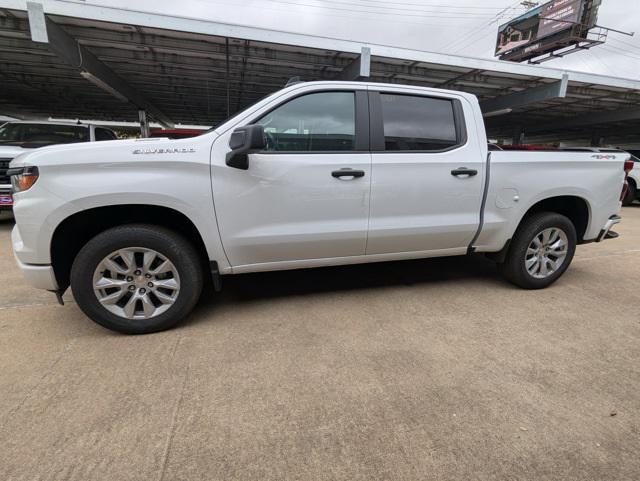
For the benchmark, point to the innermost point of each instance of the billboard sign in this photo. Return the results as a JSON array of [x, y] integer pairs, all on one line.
[[555, 24], [558, 15]]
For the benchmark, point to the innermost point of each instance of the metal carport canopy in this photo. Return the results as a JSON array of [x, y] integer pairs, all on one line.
[[193, 71]]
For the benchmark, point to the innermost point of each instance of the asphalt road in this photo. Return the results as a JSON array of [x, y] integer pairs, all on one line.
[[426, 370]]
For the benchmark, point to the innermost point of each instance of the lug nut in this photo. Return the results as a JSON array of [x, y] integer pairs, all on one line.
[[148, 276], [150, 284], [132, 288], [142, 290], [138, 272], [129, 279]]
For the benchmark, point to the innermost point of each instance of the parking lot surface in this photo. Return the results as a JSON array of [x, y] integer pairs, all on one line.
[[422, 370]]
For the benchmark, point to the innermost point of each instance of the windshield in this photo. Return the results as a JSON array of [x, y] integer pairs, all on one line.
[[43, 133], [239, 112]]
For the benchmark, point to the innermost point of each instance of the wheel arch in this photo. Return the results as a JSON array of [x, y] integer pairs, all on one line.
[[75, 230], [575, 208]]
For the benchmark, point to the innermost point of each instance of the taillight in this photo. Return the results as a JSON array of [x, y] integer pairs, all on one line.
[[628, 167]]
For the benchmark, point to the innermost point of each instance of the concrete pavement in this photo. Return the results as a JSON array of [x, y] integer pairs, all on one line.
[[425, 370]]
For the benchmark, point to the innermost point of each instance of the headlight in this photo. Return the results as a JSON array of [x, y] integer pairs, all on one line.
[[22, 178]]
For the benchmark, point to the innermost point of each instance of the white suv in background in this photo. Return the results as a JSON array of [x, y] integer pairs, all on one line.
[[634, 182], [18, 137]]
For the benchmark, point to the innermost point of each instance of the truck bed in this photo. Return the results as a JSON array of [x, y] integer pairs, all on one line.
[[519, 179]]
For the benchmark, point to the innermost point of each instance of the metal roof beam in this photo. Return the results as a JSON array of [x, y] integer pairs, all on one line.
[[147, 59], [19, 113], [89, 66], [207, 27], [610, 136], [359, 68], [452, 82], [163, 41], [592, 118], [443, 79], [594, 102], [553, 90]]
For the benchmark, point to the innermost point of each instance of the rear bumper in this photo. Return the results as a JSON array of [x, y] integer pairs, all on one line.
[[613, 220], [38, 276]]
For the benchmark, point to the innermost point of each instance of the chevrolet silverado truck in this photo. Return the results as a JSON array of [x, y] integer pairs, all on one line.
[[316, 174], [18, 137]]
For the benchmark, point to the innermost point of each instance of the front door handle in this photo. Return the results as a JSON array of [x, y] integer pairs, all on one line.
[[338, 174], [464, 171]]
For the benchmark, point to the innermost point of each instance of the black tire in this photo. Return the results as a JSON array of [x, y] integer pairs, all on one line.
[[514, 269], [171, 245], [632, 194]]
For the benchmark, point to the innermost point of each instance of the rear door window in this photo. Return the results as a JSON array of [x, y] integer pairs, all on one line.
[[414, 123]]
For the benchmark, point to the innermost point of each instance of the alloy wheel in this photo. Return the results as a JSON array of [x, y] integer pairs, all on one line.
[[136, 283], [546, 252]]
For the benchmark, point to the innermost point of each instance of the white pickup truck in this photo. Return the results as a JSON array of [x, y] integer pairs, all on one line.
[[317, 174]]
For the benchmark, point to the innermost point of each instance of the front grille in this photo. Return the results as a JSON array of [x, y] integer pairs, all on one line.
[[4, 165]]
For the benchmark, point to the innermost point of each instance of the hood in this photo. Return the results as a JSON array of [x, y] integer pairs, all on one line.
[[108, 151]]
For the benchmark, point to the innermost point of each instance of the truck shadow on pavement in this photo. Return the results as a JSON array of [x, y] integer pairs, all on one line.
[[249, 287]]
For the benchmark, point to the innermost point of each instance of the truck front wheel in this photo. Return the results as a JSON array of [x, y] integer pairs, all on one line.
[[137, 278], [541, 251]]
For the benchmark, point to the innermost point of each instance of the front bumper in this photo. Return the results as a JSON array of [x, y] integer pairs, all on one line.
[[38, 276], [613, 220], [6, 199]]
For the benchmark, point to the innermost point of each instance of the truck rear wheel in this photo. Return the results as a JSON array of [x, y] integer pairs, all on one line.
[[541, 251], [137, 278]]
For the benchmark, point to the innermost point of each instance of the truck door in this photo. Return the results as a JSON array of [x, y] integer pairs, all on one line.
[[427, 173], [306, 195]]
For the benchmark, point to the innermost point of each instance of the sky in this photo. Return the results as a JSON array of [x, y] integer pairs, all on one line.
[[462, 27]]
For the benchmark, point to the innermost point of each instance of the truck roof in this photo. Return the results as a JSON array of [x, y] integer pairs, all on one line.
[[380, 85]]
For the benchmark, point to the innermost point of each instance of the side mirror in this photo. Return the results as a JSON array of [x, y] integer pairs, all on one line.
[[245, 140]]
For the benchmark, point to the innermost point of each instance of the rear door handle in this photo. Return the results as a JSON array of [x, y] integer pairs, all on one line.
[[338, 174], [464, 171]]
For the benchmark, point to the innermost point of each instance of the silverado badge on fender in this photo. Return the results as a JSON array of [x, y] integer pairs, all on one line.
[[165, 151]]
